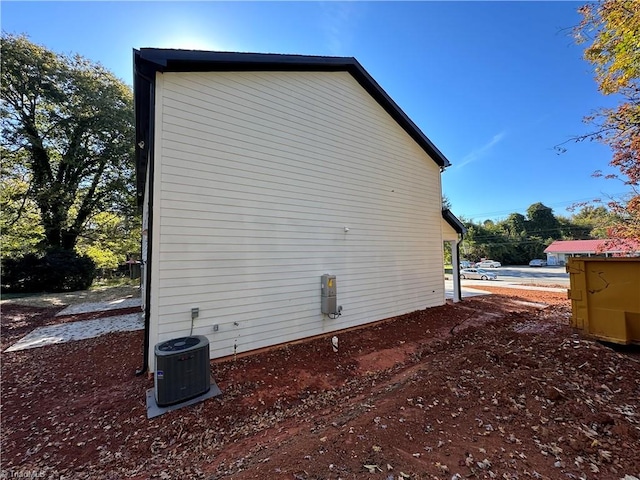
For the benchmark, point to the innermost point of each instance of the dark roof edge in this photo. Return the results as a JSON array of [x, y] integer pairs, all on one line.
[[150, 60], [452, 220]]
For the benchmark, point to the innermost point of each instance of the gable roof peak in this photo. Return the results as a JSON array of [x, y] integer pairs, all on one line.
[[148, 61]]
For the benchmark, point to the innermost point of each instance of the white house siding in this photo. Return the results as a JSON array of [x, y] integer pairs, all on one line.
[[257, 175], [448, 232]]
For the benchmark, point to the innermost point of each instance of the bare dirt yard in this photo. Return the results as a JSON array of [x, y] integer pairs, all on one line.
[[496, 386]]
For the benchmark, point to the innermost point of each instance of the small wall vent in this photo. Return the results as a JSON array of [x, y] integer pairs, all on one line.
[[182, 369]]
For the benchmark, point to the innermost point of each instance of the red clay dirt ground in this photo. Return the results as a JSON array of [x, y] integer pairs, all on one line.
[[493, 387]]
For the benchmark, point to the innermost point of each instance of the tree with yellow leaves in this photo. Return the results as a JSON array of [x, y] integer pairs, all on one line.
[[611, 29]]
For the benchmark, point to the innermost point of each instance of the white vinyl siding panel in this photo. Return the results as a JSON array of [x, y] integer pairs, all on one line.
[[448, 232], [257, 176]]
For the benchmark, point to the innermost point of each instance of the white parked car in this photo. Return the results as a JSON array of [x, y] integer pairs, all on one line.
[[538, 262], [488, 264], [477, 274]]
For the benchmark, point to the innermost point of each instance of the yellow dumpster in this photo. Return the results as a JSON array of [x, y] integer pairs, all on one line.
[[605, 297]]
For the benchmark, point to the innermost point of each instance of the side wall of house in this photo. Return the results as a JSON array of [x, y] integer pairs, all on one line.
[[265, 181]]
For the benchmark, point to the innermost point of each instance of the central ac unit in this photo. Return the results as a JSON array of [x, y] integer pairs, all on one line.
[[182, 369]]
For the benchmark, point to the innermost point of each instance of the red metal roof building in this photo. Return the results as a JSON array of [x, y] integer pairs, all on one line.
[[560, 250]]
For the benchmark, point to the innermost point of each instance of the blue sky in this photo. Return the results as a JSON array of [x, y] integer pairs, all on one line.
[[495, 85]]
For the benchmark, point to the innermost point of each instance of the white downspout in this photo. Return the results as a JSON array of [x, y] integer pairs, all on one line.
[[455, 269]]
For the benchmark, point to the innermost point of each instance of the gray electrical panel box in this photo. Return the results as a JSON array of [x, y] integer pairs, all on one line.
[[329, 295]]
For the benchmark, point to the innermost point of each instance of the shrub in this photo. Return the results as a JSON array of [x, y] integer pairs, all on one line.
[[56, 271]]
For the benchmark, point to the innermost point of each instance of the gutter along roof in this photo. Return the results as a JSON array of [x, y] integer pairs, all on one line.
[[148, 61]]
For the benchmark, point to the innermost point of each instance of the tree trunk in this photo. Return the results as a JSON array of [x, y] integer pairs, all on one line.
[[69, 239], [53, 211], [60, 238]]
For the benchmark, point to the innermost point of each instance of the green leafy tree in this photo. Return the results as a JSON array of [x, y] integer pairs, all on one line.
[[68, 124], [515, 236], [518, 238], [110, 239], [473, 245], [541, 222], [486, 240], [611, 28], [516, 224], [19, 216], [596, 219], [574, 230], [446, 203]]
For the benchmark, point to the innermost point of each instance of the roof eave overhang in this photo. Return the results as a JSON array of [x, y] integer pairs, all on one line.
[[455, 223]]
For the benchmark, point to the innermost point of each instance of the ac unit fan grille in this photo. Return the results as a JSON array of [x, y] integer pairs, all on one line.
[[178, 344], [182, 369]]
